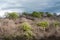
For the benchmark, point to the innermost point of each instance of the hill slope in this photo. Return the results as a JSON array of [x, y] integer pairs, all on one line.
[[14, 29]]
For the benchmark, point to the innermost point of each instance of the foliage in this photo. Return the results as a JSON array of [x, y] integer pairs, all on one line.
[[28, 35], [56, 24], [42, 13], [43, 24], [48, 14], [12, 15], [36, 14], [26, 26], [24, 13], [27, 30]]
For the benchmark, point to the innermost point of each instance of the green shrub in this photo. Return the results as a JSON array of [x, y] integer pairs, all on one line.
[[56, 24], [26, 26], [36, 14], [28, 35], [41, 13], [43, 24], [12, 15], [27, 31], [24, 13], [48, 14]]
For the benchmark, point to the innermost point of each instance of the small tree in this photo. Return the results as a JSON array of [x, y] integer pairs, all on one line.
[[12, 15]]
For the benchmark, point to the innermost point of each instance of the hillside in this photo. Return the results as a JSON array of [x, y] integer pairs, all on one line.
[[27, 27]]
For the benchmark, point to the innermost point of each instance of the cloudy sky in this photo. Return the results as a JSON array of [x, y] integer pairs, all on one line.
[[29, 6]]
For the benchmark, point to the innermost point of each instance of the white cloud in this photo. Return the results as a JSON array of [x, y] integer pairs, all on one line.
[[2, 12], [28, 5]]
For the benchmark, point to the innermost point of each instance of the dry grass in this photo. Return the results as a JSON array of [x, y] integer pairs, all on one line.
[[10, 28]]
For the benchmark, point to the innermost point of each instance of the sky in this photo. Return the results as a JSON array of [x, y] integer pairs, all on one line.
[[29, 6]]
